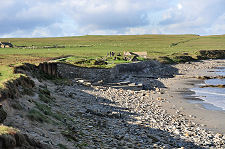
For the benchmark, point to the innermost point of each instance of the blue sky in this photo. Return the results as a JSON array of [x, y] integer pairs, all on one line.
[[48, 18]]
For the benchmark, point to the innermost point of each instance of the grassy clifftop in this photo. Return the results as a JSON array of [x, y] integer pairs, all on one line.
[[36, 50]]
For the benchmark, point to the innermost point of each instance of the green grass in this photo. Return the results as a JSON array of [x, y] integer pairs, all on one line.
[[6, 74], [48, 111], [155, 45], [98, 46], [107, 62], [7, 130], [45, 95], [36, 115]]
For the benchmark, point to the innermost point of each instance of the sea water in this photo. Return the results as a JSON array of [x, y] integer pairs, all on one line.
[[213, 97]]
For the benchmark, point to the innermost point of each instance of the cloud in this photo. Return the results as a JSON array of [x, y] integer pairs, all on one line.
[[110, 14], [44, 18], [27, 15], [113, 16], [193, 16]]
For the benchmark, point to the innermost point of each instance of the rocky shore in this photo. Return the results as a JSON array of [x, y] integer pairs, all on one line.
[[139, 110]]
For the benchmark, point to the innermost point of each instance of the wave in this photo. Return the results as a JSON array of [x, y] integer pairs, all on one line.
[[212, 93]]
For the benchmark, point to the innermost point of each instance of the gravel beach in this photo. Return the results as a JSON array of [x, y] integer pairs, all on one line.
[[124, 114]]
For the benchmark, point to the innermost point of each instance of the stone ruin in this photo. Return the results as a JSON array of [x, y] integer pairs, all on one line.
[[6, 44]]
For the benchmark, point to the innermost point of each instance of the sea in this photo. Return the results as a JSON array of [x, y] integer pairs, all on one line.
[[213, 98]]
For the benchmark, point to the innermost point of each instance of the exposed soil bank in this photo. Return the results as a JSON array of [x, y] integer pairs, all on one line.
[[18, 140], [14, 89]]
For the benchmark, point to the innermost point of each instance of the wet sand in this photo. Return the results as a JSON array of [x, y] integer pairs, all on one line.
[[178, 94]]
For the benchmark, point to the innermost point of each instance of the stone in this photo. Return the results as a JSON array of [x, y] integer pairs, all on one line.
[[80, 81], [218, 135], [157, 89], [160, 99], [132, 84], [177, 132]]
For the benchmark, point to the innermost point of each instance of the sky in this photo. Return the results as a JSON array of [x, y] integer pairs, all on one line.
[[56, 18]]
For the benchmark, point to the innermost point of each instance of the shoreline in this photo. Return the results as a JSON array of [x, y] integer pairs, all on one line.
[[213, 120], [101, 116]]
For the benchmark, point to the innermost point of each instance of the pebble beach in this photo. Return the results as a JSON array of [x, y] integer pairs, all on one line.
[[122, 115]]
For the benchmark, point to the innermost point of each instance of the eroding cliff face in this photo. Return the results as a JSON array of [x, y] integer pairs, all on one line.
[[11, 138], [16, 88], [16, 140], [211, 54]]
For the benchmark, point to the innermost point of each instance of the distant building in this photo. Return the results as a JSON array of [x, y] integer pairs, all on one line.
[[5, 45], [127, 53], [139, 54]]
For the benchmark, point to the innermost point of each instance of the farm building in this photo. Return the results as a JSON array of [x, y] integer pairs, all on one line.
[[140, 54], [5, 45]]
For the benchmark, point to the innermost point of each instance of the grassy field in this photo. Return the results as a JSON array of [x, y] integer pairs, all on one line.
[[36, 50]]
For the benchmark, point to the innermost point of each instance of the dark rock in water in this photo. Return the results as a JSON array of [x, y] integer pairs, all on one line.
[[203, 77], [218, 86], [3, 114]]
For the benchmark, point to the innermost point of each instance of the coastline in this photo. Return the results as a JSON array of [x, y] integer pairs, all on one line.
[[178, 88], [113, 116]]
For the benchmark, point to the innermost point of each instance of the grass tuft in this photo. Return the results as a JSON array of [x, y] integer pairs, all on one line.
[[48, 111], [7, 130], [45, 95], [61, 146], [36, 115]]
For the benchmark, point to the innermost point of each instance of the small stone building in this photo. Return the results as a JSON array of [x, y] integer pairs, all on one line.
[[5, 45]]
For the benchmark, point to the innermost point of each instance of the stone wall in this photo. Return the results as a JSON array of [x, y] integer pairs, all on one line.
[[93, 74], [134, 67]]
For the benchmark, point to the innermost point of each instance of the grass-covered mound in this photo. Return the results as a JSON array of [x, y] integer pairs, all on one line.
[[99, 62]]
